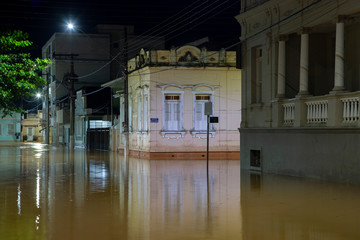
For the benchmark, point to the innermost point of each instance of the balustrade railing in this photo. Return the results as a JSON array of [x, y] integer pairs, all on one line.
[[350, 109], [333, 110], [289, 114], [317, 112]]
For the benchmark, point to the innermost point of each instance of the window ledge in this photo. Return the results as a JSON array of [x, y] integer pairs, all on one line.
[[172, 135], [142, 132], [202, 134]]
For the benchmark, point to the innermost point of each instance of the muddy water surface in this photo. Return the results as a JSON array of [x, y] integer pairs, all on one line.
[[53, 193]]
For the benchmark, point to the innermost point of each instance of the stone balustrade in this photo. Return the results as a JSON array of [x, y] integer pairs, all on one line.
[[350, 109], [317, 112], [289, 113], [332, 110]]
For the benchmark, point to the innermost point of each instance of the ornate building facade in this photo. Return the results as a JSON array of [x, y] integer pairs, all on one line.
[[167, 93], [301, 88]]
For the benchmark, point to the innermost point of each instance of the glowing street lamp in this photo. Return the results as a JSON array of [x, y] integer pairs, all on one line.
[[70, 26], [38, 95]]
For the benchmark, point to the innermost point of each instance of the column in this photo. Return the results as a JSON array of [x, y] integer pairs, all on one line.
[[339, 57], [304, 63], [281, 68]]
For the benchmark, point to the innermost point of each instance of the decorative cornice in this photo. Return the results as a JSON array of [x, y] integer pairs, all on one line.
[[193, 87]]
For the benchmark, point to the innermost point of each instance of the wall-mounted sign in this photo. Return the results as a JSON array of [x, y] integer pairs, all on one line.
[[214, 119], [154, 120]]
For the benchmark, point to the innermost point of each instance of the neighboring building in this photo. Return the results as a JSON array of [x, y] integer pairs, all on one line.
[[301, 88], [31, 127], [166, 104], [93, 116], [96, 59], [10, 127], [92, 53]]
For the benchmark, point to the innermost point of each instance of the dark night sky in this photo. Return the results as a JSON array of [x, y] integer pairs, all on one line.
[[197, 18]]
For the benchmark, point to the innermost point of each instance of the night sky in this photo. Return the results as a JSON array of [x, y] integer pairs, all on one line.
[[195, 18]]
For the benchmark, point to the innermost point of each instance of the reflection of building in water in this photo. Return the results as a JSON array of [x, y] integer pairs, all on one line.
[[180, 198], [166, 199], [59, 194], [292, 208]]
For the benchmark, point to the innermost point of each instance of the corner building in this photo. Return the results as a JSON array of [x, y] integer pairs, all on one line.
[[167, 93]]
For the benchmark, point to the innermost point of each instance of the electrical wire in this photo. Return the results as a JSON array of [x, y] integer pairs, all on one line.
[[244, 40], [132, 49], [229, 47]]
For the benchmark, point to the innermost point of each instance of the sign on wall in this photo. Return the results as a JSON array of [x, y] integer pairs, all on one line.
[[154, 120]]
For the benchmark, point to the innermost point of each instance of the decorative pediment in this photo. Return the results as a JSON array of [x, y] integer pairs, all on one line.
[[188, 54], [188, 57], [183, 56]]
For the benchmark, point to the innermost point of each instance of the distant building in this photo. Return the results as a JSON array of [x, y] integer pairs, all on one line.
[[301, 88], [166, 104], [93, 112], [10, 127], [31, 127], [96, 59], [92, 53]]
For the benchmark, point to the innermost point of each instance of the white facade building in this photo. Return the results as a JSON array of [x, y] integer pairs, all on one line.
[[301, 88], [166, 104]]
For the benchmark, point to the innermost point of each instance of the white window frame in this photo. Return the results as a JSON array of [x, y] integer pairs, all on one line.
[[181, 112], [130, 113], [145, 112], [139, 112], [11, 134], [202, 93]]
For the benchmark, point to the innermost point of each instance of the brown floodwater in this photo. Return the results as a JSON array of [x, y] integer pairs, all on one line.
[[51, 192]]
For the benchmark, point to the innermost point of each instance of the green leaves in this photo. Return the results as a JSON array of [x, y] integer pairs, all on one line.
[[20, 75]]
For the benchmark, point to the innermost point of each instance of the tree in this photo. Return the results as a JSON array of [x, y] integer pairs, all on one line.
[[19, 76]]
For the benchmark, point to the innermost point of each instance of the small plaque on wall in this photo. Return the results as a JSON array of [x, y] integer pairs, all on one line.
[[154, 120]]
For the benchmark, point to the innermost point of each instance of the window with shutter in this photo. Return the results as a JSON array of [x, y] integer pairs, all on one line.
[[139, 117], [145, 113], [130, 116], [172, 112], [11, 129]]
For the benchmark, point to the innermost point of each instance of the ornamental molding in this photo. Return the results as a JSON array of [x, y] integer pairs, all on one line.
[[193, 87]]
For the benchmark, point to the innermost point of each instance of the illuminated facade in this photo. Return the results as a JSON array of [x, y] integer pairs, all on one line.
[[301, 88], [167, 93]]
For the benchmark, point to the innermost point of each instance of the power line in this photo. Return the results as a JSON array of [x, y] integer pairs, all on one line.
[[133, 46]]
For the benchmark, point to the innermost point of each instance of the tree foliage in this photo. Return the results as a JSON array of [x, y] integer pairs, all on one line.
[[19, 76]]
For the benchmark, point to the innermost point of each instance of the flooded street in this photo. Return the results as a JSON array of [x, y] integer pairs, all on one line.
[[52, 193]]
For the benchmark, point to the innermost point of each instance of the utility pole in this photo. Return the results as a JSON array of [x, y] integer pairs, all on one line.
[[126, 96], [72, 102], [47, 135], [72, 79], [207, 112]]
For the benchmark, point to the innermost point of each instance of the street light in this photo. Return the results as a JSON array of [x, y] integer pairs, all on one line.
[[72, 93], [38, 95], [70, 26]]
